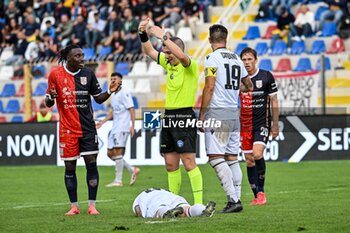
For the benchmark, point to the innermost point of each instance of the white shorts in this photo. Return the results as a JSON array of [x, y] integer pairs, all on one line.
[[224, 140], [117, 139]]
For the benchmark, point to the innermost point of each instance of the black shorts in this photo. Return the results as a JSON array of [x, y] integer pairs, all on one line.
[[179, 138]]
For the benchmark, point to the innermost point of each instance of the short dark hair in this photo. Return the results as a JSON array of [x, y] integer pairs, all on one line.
[[63, 53], [249, 50], [218, 33], [117, 74], [178, 42]]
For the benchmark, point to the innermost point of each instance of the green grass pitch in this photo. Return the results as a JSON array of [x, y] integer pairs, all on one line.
[[307, 197]]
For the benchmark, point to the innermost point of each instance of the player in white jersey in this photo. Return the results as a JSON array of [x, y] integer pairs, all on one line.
[[123, 116], [224, 73], [161, 203]]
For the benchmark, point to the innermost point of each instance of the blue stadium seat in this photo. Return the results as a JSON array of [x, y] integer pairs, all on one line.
[[122, 68], [252, 33], [1, 107], [327, 64], [298, 47], [104, 52], [39, 71], [40, 89], [12, 106], [318, 46], [136, 102], [279, 48], [319, 11], [329, 29], [240, 47], [265, 64], [261, 48], [17, 118], [96, 107], [8, 90], [304, 64], [105, 86], [89, 53]]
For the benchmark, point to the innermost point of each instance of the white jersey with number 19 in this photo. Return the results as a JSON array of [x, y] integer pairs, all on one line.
[[228, 69]]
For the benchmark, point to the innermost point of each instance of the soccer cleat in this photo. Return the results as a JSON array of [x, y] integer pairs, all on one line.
[[114, 184], [134, 175], [233, 207], [92, 210], [254, 201], [173, 213], [73, 211], [209, 209], [261, 199]]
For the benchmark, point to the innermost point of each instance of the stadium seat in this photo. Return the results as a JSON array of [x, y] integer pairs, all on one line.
[[8, 90], [337, 46], [185, 34], [265, 64], [252, 33], [17, 118], [269, 30], [329, 29], [136, 102], [1, 107], [122, 68], [319, 11], [3, 119], [128, 84], [139, 68], [39, 71], [279, 48], [102, 70], [12, 106], [96, 107], [40, 89], [240, 47], [105, 86], [327, 64], [143, 85], [20, 91], [284, 65], [104, 52], [298, 47], [261, 48], [34, 107], [304, 64], [318, 46], [6, 72], [155, 69], [89, 53]]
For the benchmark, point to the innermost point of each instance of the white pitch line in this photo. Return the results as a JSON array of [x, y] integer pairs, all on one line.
[[160, 222]]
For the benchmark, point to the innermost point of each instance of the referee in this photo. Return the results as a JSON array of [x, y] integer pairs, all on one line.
[[181, 86]]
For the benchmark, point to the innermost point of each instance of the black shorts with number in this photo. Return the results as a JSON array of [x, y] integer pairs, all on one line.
[[178, 139]]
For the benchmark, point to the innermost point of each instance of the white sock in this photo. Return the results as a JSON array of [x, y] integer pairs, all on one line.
[[225, 176], [195, 210], [236, 176], [119, 163], [128, 167], [92, 202]]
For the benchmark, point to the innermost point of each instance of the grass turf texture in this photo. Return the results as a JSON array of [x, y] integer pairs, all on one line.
[[309, 197]]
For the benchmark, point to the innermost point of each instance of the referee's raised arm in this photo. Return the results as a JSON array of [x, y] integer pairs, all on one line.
[[146, 44]]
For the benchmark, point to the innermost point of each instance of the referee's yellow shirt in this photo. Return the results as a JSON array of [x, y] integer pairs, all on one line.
[[181, 83]]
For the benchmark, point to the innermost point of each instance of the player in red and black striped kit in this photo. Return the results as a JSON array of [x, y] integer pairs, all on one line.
[[72, 86], [256, 122]]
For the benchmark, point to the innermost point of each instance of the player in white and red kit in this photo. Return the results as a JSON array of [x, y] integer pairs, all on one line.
[[72, 85], [256, 122]]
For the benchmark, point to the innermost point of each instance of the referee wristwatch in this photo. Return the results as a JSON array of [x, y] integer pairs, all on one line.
[[164, 38]]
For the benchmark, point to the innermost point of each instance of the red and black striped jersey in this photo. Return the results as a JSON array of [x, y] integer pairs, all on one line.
[[74, 100], [255, 105]]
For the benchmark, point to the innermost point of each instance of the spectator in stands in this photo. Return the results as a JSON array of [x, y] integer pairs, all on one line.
[[78, 9], [129, 24], [132, 45], [204, 6], [190, 15], [108, 8], [50, 46], [19, 48], [61, 10], [12, 12], [79, 28], [158, 12], [113, 24], [43, 115], [173, 11], [304, 24], [283, 22], [50, 29], [35, 49], [142, 7], [11, 31], [94, 31], [32, 29], [64, 30], [337, 8], [117, 44]]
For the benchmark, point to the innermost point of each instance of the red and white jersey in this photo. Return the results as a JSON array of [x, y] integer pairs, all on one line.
[[255, 105], [74, 100]]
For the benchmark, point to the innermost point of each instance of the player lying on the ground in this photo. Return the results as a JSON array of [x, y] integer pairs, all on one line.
[[160, 203]]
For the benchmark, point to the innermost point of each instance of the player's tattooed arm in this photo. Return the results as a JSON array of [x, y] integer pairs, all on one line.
[[275, 116], [246, 85]]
